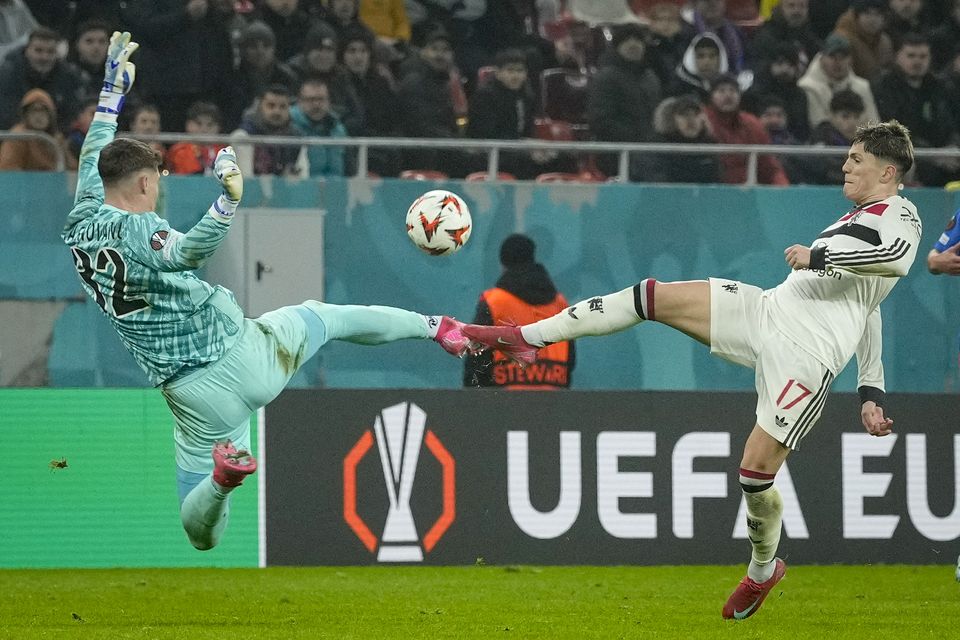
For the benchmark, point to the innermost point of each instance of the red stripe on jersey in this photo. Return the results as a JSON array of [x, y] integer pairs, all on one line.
[[877, 209], [757, 475]]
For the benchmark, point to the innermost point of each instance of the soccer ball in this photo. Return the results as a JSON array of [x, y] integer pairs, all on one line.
[[439, 222]]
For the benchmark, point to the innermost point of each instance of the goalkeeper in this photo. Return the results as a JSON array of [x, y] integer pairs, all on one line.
[[213, 366]]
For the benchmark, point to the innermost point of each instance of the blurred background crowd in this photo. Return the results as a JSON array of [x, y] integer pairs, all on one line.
[[786, 72]]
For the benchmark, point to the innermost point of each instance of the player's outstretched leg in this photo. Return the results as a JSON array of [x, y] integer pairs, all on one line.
[[597, 316], [372, 325], [206, 509]]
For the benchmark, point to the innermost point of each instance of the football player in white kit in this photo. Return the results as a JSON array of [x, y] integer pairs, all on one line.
[[797, 336]]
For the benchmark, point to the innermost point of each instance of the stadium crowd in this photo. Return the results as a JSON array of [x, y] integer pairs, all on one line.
[[786, 72]]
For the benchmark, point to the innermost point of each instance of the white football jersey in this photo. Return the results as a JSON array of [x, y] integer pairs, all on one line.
[[832, 309]]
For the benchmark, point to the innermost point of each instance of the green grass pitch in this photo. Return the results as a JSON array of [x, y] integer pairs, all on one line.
[[831, 603]]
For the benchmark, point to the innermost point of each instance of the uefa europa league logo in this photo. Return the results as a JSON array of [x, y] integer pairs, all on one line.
[[399, 432]]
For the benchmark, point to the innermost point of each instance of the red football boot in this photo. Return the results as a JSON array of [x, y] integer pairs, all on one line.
[[231, 466], [506, 339], [749, 595]]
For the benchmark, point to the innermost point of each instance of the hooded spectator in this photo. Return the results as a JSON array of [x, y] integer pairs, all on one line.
[[37, 114]]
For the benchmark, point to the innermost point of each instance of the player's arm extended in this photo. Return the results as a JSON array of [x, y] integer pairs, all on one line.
[[870, 385], [899, 234], [945, 255], [118, 77], [159, 246]]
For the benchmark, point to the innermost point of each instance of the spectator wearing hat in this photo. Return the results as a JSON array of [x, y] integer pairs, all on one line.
[[789, 24], [289, 24], [914, 96], [681, 120], [871, 48], [829, 73], [524, 293], [731, 125], [623, 94], [778, 78], [428, 108], [704, 61], [259, 67], [186, 54], [37, 114], [319, 61]]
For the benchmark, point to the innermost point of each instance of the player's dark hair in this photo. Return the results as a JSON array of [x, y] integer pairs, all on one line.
[[889, 141], [846, 100], [124, 157]]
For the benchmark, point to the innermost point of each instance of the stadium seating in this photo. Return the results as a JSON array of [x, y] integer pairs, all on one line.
[[559, 176], [423, 174]]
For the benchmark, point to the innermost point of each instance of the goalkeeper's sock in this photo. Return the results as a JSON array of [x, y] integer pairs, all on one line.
[[597, 316], [764, 514], [370, 325], [204, 513]]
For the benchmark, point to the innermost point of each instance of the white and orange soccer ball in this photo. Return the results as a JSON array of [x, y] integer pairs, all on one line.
[[439, 222]]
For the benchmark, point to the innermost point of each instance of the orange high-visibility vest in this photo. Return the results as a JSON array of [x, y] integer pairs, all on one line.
[[552, 368]]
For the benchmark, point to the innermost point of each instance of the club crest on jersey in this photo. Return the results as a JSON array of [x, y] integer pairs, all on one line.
[[158, 240]]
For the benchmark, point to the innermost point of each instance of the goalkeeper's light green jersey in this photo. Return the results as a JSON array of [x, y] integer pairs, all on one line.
[[139, 271]]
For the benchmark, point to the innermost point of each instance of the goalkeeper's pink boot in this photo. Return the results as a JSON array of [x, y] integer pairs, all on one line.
[[231, 466], [506, 339], [450, 337], [749, 594]]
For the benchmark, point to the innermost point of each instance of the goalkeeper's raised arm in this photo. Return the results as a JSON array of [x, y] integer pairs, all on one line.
[[118, 77]]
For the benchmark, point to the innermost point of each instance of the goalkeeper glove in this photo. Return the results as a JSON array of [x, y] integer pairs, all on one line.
[[118, 74], [228, 173]]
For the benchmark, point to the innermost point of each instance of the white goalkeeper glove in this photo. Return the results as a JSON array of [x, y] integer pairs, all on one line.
[[228, 173], [119, 73]]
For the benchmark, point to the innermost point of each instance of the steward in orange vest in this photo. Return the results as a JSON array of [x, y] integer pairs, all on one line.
[[523, 294]]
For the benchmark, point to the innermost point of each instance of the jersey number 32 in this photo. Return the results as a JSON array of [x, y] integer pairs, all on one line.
[[110, 263]]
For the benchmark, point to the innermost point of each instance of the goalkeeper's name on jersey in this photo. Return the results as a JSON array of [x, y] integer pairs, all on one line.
[[99, 231]]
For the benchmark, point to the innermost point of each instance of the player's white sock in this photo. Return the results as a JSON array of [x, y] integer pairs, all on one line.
[[597, 316], [204, 513], [370, 325], [764, 511]]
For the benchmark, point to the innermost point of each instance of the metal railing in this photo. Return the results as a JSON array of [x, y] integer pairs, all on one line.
[[37, 135], [493, 148]]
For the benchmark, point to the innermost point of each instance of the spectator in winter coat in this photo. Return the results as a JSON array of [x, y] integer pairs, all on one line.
[[911, 94], [731, 125], [259, 67], [37, 67], [271, 117], [871, 47], [710, 16], [203, 118], [289, 24], [778, 78], [680, 120], [789, 24], [829, 73], [623, 94], [88, 52], [704, 61], [312, 116]]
